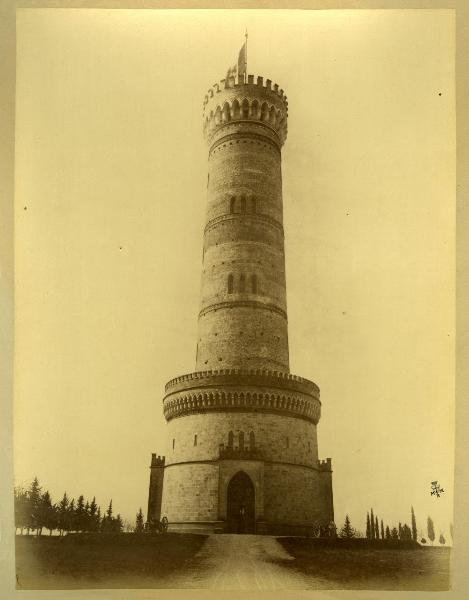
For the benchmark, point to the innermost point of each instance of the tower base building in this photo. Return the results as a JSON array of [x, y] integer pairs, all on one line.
[[241, 453]]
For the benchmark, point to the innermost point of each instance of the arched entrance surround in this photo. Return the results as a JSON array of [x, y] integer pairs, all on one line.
[[240, 507]]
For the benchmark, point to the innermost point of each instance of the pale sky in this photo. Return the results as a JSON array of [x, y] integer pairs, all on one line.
[[111, 171]]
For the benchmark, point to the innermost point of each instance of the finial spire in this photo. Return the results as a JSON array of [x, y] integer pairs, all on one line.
[[246, 53], [241, 69]]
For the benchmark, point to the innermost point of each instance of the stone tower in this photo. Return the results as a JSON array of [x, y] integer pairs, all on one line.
[[242, 451]]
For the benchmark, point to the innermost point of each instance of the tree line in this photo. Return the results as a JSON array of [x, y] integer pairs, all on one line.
[[35, 511], [376, 530]]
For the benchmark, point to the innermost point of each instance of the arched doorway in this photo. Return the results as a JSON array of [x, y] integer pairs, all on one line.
[[240, 511]]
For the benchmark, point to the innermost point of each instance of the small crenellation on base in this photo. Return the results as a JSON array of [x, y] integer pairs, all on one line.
[[155, 492]]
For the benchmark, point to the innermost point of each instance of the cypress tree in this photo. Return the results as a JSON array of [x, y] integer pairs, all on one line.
[[368, 528], [376, 528], [372, 525], [414, 524], [430, 530], [382, 530], [406, 532]]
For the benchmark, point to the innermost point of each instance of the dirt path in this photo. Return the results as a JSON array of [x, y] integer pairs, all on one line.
[[241, 562]]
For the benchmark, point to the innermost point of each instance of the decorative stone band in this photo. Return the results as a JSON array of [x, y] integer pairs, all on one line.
[[233, 390], [316, 467], [243, 303], [241, 134], [242, 131], [242, 217]]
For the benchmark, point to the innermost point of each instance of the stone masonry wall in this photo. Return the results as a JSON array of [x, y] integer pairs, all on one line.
[[277, 437], [243, 318], [294, 495], [190, 492]]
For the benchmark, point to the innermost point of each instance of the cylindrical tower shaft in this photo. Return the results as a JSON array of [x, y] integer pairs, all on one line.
[[241, 427], [243, 316]]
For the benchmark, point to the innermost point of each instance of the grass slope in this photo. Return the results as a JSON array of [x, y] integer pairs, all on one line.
[[102, 561], [378, 565]]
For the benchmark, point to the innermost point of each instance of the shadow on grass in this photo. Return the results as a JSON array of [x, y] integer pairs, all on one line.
[[102, 561], [364, 564]]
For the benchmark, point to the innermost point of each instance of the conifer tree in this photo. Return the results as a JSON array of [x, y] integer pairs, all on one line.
[[413, 524], [48, 516], [400, 531], [139, 522], [388, 533], [21, 508], [430, 530], [376, 528], [347, 530], [34, 499], [368, 528], [80, 514], [442, 539], [93, 516], [71, 516], [87, 518], [406, 532], [108, 521], [372, 525], [63, 514], [98, 521], [394, 534], [118, 524], [382, 529]]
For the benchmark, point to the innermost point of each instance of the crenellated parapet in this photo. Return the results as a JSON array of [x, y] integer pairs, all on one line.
[[157, 461], [249, 377], [239, 453], [251, 99]]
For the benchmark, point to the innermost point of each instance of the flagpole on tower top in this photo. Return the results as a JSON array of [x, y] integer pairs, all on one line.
[[246, 55]]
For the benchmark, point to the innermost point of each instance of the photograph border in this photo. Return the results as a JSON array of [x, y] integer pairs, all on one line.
[[460, 579]]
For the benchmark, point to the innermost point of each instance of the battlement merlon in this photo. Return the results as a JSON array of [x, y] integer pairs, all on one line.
[[250, 82], [235, 100], [157, 461], [325, 465]]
